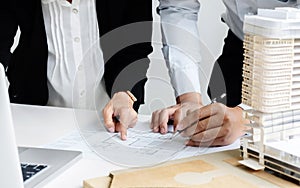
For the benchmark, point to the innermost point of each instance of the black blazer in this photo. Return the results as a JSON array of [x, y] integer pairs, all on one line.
[[27, 66]]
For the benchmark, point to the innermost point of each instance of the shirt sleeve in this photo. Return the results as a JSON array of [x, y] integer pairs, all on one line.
[[181, 43]]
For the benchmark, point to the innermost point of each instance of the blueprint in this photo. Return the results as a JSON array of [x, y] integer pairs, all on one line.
[[142, 147]]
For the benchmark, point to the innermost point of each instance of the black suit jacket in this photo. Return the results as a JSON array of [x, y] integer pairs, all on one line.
[[27, 66]]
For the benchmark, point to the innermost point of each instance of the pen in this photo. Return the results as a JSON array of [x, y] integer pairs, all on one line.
[[178, 132], [116, 119], [214, 100]]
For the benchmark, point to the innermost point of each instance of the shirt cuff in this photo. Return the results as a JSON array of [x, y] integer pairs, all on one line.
[[244, 107], [185, 80], [183, 71]]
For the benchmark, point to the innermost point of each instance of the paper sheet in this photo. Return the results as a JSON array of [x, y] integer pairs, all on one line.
[[142, 147]]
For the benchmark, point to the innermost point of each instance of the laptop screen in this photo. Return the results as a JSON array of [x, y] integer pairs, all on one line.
[[9, 159]]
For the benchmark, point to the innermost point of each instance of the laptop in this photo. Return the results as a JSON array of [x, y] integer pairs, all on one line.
[[26, 167]]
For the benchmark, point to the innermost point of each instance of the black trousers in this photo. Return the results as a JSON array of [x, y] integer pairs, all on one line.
[[227, 72]]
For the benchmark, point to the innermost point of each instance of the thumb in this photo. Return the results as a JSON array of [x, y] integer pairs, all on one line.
[[108, 114]]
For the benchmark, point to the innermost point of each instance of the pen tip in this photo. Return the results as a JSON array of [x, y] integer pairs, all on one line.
[[223, 95]]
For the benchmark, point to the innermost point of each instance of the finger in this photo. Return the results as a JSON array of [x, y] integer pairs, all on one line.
[[182, 112], [134, 119], [189, 120], [107, 113], [133, 123], [211, 122], [164, 117], [163, 121], [212, 109], [217, 110], [205, 112], [160, 118], [221, 141], [209, 135], [128, 116], [202, 144], [123, 130], [190, 130], [177, 118], [155, 121]]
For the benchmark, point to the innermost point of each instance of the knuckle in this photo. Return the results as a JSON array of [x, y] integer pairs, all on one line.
[[196, 113], [195, 138], [178, 110], [201, 126], [154, 113], [218, 105], [165, 111], [226, 130], [225, 141], [105, 110], [157, 112], [226, 117]]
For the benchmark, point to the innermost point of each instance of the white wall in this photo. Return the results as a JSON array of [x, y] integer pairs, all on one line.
[[159, 92]]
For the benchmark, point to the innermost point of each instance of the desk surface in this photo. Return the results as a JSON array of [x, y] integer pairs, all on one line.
[[38, 126]]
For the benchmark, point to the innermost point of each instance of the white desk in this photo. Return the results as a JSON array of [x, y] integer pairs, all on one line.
[[36, 126]]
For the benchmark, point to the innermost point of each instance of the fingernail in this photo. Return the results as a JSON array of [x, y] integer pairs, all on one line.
[[179, 126], [188, 143], [111, 129], [124, 137], [162, 130]]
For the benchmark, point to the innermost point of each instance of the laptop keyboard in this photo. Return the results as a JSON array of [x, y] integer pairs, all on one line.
[[29, 170]]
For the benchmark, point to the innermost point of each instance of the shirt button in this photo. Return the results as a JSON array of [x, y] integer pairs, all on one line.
[[75, 11], [77, 39], [80, 67], [82, 93]]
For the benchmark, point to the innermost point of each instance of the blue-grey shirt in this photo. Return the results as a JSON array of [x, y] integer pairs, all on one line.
[[237, 9], [181, 40]]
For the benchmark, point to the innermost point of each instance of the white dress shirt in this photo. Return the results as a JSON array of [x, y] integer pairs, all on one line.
[[181, 36], [75, 60]]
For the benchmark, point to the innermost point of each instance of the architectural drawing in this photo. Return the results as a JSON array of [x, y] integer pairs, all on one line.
[[143, 147]]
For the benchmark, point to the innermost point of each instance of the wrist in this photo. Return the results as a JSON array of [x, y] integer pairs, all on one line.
[[240, 111], [192, 97], [132, 97], [126, 95]]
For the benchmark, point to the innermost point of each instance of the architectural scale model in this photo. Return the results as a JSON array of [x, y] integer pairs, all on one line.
[[271, 90]]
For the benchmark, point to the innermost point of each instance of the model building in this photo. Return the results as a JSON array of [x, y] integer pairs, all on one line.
[[271, 90]]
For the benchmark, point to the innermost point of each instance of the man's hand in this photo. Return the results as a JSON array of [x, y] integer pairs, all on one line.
[[185, 103], [214, 125], [118, 114]]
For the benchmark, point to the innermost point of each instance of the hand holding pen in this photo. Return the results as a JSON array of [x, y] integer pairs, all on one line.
[[179, 130], [213, 125], [119, 114]]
